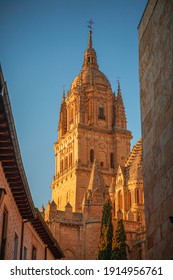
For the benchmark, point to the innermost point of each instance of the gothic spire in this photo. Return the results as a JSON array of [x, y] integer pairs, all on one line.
[[90, 57], [119, 94], [120, 110], [62, 125], [96, 188], [90, 40], [119, 89], [96, 179], [63, 95], [90, 33]]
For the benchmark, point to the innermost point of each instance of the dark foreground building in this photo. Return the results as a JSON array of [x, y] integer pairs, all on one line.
[[156, 93]]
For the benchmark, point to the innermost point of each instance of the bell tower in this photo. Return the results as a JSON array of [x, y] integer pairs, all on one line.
[[92, 126]]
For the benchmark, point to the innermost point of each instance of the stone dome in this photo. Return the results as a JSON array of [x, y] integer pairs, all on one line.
[[90, 74]]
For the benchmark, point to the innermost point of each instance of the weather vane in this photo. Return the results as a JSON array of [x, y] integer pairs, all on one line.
[[91, 24]]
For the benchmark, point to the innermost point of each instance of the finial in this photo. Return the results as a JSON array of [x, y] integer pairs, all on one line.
[[118, 80], [119, 89], [63, 93], [90, 32]]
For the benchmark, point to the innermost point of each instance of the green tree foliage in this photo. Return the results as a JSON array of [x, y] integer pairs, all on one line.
[[106, 233], [119, 242]]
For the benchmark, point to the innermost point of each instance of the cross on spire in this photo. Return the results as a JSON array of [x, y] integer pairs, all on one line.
[[90, 25], [90, 33]]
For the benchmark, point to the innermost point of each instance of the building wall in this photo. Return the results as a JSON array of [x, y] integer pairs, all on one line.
[[14, 226], [71, 181], [92, 231], [156, 94], [67, 227], [72, 232], [78, 233], [14, 219]]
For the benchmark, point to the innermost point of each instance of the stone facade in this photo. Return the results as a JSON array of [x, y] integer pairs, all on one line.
[[156, 94], [92, 162]]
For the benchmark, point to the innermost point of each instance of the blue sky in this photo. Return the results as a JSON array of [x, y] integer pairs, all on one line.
[[41, 51]]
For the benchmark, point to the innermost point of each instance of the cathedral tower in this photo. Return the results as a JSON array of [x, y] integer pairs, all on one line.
[[92, 126]]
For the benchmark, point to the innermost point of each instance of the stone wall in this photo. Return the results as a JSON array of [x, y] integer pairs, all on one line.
[[78, 233], [156, 95], [14, 226]]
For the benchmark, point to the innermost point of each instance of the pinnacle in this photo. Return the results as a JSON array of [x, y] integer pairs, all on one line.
[[96, 179]]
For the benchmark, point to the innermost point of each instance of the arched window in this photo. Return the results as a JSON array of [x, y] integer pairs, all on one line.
[[101, 115], [66, 162], [137, 196], [129, 202], [70, 159], [120, 200], [91, 155], [112, 160]]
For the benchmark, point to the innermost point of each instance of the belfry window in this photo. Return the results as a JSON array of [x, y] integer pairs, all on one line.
[[112, 160], [137, 196], [91, 155], [101, 115]]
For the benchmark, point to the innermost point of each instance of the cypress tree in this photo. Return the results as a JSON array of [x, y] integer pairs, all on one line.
[[119, 242], [106, 232]]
